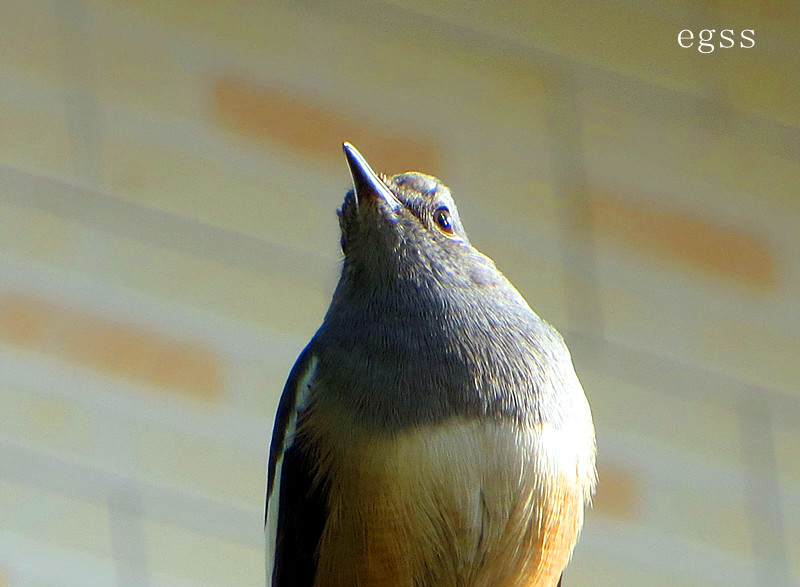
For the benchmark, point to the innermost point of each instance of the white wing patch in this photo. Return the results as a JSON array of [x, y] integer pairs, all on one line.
[[273, 502]]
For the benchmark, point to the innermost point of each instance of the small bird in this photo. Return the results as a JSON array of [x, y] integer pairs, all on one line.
[[433, 432]]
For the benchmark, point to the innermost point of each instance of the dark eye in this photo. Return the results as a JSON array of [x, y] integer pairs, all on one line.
[[442, 219]]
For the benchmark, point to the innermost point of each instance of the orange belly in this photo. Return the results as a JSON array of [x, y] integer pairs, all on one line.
[[461, 504]]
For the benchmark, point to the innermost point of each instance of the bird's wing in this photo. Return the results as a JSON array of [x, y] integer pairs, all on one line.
[[296, 506]]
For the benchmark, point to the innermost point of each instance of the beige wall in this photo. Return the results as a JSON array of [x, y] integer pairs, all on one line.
[[169, 173]]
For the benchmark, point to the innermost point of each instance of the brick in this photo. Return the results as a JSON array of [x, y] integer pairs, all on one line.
[[211, 18], [263, 38], [754, 352], [504, 188], [539, 279], [597, 34], [609, 566], [201, 466], [46, 423], [684, 321], [80, 525], [770, 17], [303, 126], [791, 521], [603, 34], [694, 428], [256, 379], [690, 434], [619, 494], [765, 86], [190, 182], [221, 193], [24, 321], [683, 240], [158, 79], [203, 559], [35, 141], [37, 236], [31, 41], [116, 348], [269, 301], [787, 441], [692, 147], [128, 351], [716, 520]]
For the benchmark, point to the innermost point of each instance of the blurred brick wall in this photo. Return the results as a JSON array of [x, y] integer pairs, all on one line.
[[168, 177]]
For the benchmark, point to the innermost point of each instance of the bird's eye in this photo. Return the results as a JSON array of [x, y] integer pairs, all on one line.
[[442, 219]]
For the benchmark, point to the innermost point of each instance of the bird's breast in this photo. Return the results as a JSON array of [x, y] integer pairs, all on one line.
[[453, 503]]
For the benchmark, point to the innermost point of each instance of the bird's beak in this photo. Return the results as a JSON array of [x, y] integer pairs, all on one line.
[[366, 182]]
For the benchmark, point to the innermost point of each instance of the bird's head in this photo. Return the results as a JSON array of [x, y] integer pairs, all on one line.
[[405, 226]]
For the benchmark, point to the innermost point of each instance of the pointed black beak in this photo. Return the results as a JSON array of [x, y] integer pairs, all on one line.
[[366, 182]]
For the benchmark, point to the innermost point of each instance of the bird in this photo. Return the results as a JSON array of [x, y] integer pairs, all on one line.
[[433, 432]]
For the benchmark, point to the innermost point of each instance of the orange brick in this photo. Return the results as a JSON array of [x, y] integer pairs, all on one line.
[[691, 242], [128, 351], [120, 349], [187, 368], [619, 492], [108, 347], [23, 321], [310, 129]]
